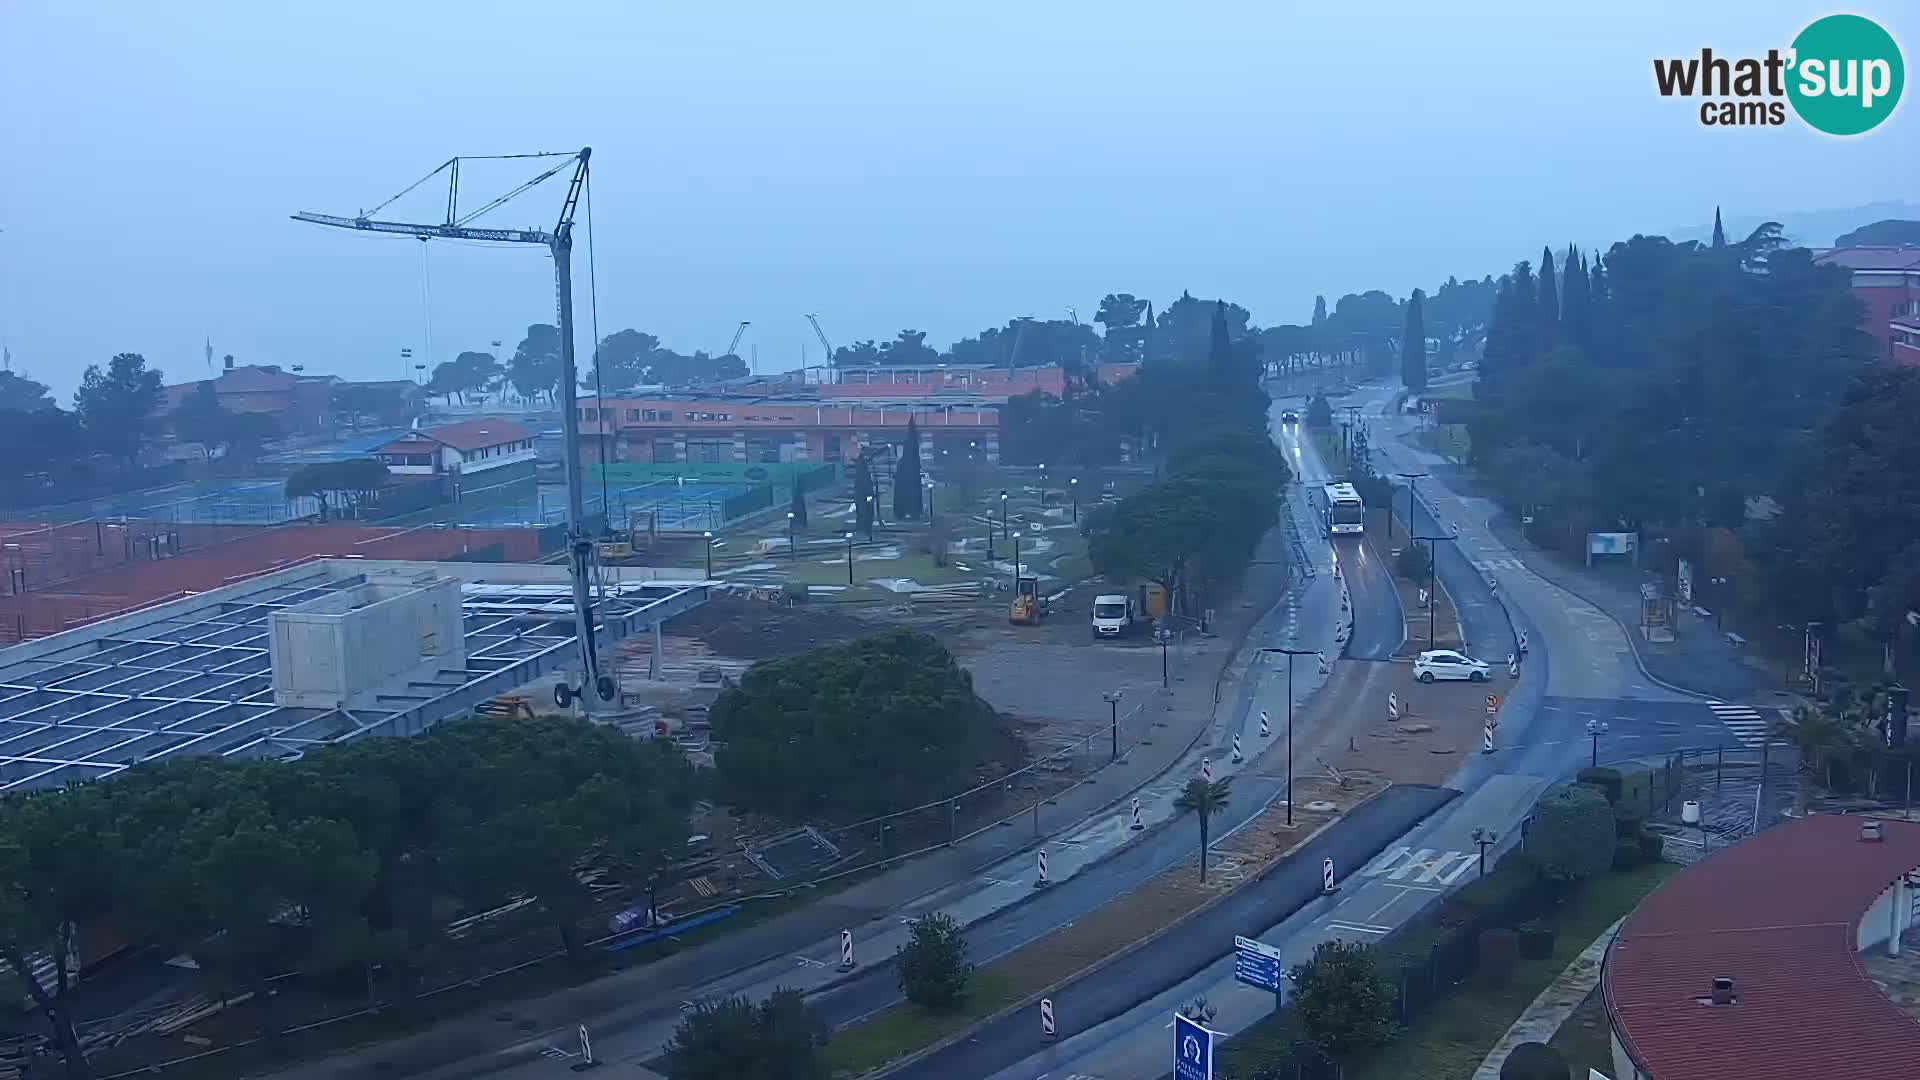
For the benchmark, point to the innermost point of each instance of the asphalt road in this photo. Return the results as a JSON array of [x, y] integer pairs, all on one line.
[[1189, 946]]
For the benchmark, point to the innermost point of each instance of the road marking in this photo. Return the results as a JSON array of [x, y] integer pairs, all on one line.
[[1427, 865], [1358, 928], [1744, 721], [808, 961]]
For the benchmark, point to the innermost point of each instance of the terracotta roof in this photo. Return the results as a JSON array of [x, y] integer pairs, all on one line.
[[1872, 258], [1779, 915], [469, 434]]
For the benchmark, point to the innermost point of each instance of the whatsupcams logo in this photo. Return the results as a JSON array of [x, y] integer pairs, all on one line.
[[1842, 75]]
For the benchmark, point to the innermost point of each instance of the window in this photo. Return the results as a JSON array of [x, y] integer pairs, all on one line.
[[633, 414]]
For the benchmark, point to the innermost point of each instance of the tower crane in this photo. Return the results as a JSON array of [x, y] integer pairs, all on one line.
[[737, 335], [559, 243], [822, 335]]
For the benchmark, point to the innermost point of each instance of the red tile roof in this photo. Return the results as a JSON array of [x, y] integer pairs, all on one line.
[[1778, 914], [469, 434], [1872, 258]]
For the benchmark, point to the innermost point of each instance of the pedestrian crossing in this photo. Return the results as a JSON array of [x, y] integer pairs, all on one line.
[[1499, 562], [1747, 723], [1421, 866]]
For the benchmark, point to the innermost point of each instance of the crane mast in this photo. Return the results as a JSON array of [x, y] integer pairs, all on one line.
[[737, 335], [559, 243]]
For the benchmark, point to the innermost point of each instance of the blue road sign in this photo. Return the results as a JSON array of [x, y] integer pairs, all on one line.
[[1257, 963], [1192, 1050]]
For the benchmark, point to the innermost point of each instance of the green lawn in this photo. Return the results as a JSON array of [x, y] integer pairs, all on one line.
[[1448, 441], [1583, 1040], [905, 1028], [1452, 1039], [813, 569]]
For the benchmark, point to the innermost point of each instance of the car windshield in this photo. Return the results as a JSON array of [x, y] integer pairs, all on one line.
[[1109, 611]]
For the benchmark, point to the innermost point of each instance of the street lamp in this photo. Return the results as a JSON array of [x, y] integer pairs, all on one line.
[[1433, 562], [1003, 515], [1412, 479], [873, 513], [1596, 728], [1484, 839], [1113, 719], [1163, 635], [1719, 603], [1073, 487], [709, 536], [793, 545], [1016, 562], [1290, 654], [849, 557]]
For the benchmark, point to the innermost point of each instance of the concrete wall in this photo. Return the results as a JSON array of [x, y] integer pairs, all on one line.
[[335, 650]]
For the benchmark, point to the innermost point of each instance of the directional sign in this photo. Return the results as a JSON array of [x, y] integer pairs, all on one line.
[[1192, 1050], [1257, 963]]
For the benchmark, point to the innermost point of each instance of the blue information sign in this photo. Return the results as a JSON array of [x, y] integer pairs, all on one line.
[[1257, 964], [1192, 1050]]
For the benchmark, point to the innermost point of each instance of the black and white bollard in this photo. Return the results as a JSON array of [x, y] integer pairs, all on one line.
[[1393, 706], [1238, 757], [1523, 643], [1047, 1030], [1266, 729], [1040, 881], [1136, 826], [1486, 738], [1327, 886], [1513, 666], [1206, 771], [846, 950]]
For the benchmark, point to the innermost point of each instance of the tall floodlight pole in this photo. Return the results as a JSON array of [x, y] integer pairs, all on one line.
[[1290, 654], [559, 243]]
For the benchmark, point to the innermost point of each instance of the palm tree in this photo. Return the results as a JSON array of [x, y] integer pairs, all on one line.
[[1205, 799]]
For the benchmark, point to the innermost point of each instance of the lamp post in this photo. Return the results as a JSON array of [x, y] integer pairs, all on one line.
[[1412, 479], [793, 545], [1003, 515], [709, 536], [1073, 488], [873, 514], [849, 557], [1290, 654], [1719, 603], [1016, 562], [1484, 839], [1596, 728], [1433, 561], [1113, 719]]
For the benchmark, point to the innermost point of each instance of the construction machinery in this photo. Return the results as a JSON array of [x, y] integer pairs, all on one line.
[[1028, 606]]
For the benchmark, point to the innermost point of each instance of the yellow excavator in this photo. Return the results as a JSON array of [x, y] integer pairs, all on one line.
[[1028, 606]]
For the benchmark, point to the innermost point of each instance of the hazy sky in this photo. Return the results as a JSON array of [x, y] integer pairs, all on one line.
[[883, 164]]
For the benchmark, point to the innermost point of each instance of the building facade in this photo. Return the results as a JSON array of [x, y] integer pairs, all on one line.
[[485, 446], [1886, 280], [301, 403], [674, 428]]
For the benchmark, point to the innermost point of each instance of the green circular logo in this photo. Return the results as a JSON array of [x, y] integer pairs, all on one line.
[[1846, 75]]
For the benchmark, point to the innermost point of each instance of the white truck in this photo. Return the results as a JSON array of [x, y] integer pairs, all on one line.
[[1113, 613]]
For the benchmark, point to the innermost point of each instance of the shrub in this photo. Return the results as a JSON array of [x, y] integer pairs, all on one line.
[[932, 966], [1413, 562], [1652, 846], [1534, 1061], [1573, 833], [1626, 854], [1499, 951], [1604, 778], [1628, 822], [1536, 940]]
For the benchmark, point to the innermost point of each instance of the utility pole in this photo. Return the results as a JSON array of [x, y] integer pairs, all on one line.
[[559, 243], [1290, 654], [1413, 480], [1433, 583]]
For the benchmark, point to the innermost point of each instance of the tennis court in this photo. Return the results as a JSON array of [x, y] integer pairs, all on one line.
[[227, 502], [662, 505]]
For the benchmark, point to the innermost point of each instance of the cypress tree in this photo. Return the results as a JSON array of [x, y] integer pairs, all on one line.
[[863, 507], [1575, 314], [1549, 301], [1413, 346], [906, 477], [1319, 324], [1220, 347], [1719, 233]]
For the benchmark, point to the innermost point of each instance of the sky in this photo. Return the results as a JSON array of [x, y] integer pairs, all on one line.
[[885, 165]]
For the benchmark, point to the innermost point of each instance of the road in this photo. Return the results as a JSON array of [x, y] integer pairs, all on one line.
[[1580, 666]]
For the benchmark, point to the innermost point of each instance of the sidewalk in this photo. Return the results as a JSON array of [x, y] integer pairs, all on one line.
[[1554, 1004], [485, 1040]]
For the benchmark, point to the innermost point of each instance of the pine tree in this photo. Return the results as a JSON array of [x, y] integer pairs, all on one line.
[[1413, 346], [1220, 347], [1319, 324], [1549, 301], [906, 477], [799, 507], [1719, 232]]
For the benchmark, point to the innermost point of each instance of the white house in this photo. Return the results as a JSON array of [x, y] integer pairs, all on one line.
[[471, 446]]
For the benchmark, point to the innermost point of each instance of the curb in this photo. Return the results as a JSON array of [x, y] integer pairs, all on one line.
[[1111, 958]]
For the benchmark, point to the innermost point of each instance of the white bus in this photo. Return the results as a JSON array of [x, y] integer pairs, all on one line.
[[1345, 514]]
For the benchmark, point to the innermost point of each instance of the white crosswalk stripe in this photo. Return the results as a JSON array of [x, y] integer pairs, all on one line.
[[1746, 722], [1424, 866], [1502, 562]]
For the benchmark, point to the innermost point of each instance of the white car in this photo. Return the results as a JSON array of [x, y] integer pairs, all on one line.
[[1447, 664]]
